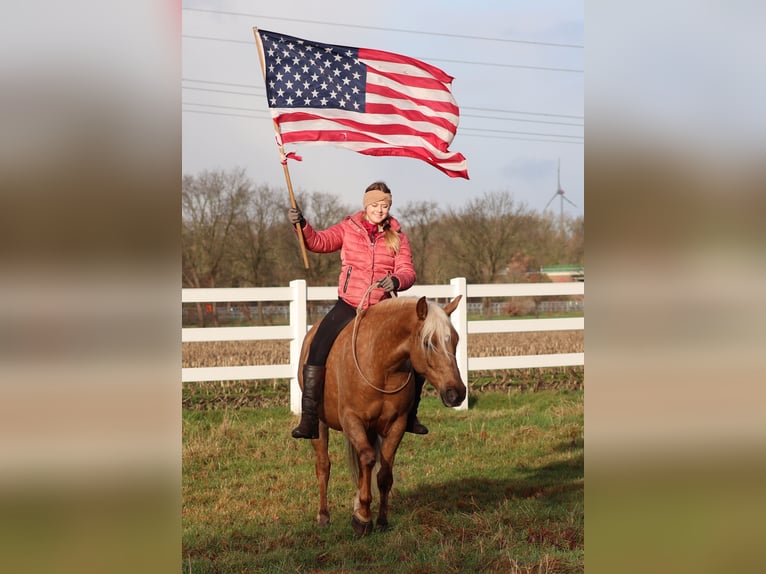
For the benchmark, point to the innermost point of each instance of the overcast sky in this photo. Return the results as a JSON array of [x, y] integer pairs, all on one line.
[[519, 82]]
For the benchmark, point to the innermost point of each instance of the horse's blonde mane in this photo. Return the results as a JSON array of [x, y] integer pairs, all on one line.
[[436, 327]]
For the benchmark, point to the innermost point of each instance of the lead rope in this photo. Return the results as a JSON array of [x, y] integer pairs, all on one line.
[[357, 319]]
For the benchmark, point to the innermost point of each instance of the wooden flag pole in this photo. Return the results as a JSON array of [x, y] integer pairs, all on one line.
[[282, 154]]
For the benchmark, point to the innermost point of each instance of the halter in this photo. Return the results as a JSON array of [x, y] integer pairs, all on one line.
[[353, 348]]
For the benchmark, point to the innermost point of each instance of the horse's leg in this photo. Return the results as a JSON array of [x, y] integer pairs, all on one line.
[[388, 450], [322, 467], [361, 518]]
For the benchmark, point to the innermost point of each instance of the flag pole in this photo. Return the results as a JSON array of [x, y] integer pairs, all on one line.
[[282, 154]]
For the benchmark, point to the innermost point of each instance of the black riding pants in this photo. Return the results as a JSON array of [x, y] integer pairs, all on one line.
[[332, 324]]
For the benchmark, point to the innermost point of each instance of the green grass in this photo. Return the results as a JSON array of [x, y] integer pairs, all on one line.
[[496, 488]]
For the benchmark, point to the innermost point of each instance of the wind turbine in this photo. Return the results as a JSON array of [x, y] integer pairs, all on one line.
[[560, 193]]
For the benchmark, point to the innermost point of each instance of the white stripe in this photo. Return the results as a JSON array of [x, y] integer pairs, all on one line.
[[410, 105], [365, 117], [440, 158], [411, 91], [391, 140], [326, 122], [398, 68]]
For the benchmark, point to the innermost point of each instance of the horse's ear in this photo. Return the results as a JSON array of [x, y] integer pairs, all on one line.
[[452, 305], [422, 308]]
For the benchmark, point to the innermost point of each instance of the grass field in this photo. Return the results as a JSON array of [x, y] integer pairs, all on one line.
[[495, 488]]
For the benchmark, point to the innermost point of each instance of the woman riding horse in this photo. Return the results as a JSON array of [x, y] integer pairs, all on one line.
[[373, 249], [369, 394]]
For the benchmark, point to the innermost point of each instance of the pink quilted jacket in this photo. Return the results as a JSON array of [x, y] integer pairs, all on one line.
[[363, 261]]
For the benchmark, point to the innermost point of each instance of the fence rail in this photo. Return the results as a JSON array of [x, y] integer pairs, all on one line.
[[298, 294]]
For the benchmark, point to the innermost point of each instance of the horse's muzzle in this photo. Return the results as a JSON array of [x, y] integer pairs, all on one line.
[[453, 395]]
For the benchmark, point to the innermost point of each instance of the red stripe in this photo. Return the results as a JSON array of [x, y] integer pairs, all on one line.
[[422, 155], [414, 81], [411, 151], [384, 129], [394, 95], [412, 115], [437, 73]]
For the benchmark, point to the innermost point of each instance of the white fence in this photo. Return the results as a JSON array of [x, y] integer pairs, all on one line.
[[297, 294]]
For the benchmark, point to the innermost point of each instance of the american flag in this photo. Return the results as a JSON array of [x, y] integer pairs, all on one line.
[[369, 101]]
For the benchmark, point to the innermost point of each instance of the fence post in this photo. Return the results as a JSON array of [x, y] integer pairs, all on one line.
[[298, 325], [459, 320]]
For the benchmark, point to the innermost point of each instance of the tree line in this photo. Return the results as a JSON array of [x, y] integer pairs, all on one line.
[[235, 233]]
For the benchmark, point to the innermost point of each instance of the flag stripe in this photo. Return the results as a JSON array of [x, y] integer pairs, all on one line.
[[411, 115], [381, 128], [404, 63], [453, 164], [370, 101], [398, 98]]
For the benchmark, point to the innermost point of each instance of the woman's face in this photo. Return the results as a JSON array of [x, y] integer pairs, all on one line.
[[377, 212]]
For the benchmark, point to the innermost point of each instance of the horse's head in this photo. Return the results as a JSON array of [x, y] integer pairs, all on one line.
[[433, 355]]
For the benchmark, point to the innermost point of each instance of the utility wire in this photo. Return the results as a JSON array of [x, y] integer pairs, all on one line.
[[461, 115], [261, 88], [423, 58], [460, 130], [385, 29], [462, 135]]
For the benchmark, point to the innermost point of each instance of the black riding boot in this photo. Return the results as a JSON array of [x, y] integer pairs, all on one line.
[[313, 384], [413, 424]]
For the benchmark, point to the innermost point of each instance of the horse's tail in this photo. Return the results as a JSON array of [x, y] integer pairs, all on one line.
[[352, 457]]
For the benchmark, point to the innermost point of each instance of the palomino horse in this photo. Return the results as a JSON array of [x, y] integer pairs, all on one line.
[[369, 390]]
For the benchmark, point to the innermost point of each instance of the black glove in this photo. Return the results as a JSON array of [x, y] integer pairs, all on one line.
[[389, 284], [295, 216]]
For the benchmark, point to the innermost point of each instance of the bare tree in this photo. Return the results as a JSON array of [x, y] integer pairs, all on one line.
[[482, 237], [212, 203], [323, 210], [419, 218], [235, 234], [256, 260]]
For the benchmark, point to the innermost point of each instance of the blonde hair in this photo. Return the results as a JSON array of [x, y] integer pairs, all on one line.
[[391, 237]]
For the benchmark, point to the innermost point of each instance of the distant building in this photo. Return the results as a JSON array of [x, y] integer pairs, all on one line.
[[564, 273]]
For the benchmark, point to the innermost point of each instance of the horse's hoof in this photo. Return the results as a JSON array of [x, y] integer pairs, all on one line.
[[382, 525], [361, 528], [323, 520]]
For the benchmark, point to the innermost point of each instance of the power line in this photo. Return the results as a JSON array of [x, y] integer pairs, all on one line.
[[461, 115], [486, 130], [423, 58], [221, 91], [461, 130], [250, 116], [518, 112], [263, 89], [385, 29]]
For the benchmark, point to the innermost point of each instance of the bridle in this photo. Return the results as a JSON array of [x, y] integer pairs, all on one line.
[[357, 320]]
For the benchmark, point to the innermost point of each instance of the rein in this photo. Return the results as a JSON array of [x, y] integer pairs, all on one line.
[[357, 319]]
